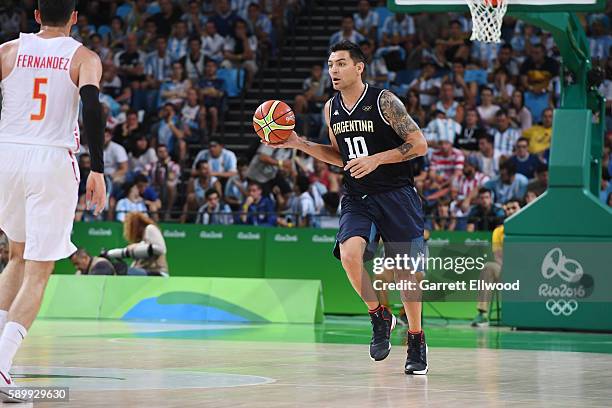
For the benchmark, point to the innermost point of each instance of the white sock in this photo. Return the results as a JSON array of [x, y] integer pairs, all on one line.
[[3, 317], [10, 341]]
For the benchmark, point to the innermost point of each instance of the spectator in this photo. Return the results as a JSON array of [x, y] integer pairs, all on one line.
[[193, 118], [502, 87], [259, 24], [505, 136], [222, 161], [484, 53], [158, 65], [150, 196], [486, 215], [463, 91], [97, 46], [398, 25], [195, 61], [467, 139], [539, 136], [448, 104], [133, 202], [224, 18], [131, 61], [526, 163], [170, 132], [509, 184], [457, 45], [488, 158], [303, 210], [149, 36], [178, 43], [442, 220], [240, 51], [266, 165], [91, 265], [135, 19], [376, 72], [518, 112], [194, 18], [258, 209], [446, 164], [323, 179], [414, 108], [487, 109], [426, 85], [441, 129], [197, 188], [169, 15], [111, 84], [213, 212], [174, 90], [116, 36], [366, 21], [536, 73], [165, 176], [315, 92], [12, 22], [126, 133], [470, 182], [212, 90], [540, 184], [599, 41], [213, 43], [236, 186], [506, 61], [347, 32], [141, 157], [115, 159]]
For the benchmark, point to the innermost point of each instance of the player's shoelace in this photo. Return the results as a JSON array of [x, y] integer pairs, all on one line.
[[414, 350], [380, 329]]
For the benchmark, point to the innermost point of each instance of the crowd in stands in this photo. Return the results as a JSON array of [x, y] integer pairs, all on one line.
[[170, 66]]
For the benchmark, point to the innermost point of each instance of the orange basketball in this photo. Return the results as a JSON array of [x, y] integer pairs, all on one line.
[[274, 121], [492, 3]]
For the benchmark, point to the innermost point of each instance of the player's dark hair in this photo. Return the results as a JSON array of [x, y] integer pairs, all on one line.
[[353, 49], [200, 163], [500, 113], [56, 13], [485, 88], [242, 161], [520, 202]]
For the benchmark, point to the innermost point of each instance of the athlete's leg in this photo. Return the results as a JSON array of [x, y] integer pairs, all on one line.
[[351, 255], [411, 299], [10, 279], [24, 309]]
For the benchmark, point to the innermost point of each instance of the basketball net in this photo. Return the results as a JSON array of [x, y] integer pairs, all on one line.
[[487, 17]]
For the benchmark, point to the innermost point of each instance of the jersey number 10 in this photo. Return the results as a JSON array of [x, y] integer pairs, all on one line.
[[357, 147], [40, 96]]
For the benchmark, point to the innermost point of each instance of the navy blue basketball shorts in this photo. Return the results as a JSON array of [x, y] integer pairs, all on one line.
[[396, 216]]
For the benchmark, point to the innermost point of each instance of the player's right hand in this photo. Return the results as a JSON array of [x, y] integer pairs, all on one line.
[[95, 195], [292, 142]]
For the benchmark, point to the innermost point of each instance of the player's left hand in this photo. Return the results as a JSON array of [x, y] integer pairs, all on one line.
[[362, 166]]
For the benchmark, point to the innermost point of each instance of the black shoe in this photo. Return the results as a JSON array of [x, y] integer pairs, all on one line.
[[416, 362], [383, 323]]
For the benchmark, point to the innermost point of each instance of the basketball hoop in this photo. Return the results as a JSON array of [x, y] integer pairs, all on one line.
[[487, 17]]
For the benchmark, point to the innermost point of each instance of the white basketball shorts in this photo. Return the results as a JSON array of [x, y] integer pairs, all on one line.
[[38, 197]]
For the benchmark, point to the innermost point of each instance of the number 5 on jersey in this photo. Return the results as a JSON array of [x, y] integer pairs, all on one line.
[[40, 96], [357, 147]]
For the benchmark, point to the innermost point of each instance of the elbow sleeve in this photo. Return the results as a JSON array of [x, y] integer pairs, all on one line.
[[93, 122]]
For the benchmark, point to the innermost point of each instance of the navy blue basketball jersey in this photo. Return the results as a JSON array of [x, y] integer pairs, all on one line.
[[363, 131]]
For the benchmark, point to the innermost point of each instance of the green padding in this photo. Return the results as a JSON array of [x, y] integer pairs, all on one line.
[[257, 252], [264, 300]]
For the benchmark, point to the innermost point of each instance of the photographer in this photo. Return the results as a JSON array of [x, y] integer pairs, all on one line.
[[147, 246], [91, 265]]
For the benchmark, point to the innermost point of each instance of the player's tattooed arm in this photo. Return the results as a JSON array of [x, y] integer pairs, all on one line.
[[395, 113]]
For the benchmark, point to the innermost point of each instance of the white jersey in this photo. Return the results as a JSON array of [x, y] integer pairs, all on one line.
[[40, 102]]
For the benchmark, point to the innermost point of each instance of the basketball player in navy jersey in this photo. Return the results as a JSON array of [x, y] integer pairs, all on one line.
[[372, 138]]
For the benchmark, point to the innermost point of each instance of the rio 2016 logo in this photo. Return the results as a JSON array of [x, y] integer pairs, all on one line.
[[569, 270]]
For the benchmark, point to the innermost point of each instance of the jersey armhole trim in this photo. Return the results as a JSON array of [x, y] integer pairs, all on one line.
[[329, 126], [380, 110], [76, 86], [21, 36]]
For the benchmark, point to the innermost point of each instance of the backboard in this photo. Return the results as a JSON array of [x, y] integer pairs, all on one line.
[[534, 6]]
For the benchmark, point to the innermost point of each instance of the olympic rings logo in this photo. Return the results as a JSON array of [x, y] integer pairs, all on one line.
[[561, 306], [555, 263]]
